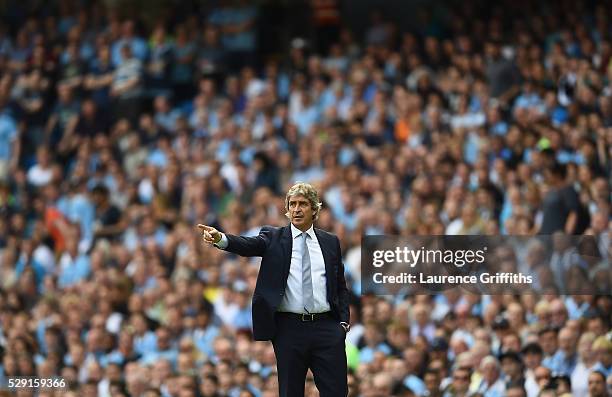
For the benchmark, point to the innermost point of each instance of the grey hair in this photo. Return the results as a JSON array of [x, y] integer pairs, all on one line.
[[309, 192], [490, 360]]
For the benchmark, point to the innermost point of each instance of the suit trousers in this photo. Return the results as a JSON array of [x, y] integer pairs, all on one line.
[[315, 345]]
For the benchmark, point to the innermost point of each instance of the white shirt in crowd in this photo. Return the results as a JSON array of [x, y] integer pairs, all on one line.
[[39, 176]]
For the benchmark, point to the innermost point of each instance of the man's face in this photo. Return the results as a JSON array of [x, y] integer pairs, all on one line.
[[490, 373], [604, 356], [532, 359], [510, 367], [163, 340], [208, 387], [567, 342], [548, 341], [300, 212], [461, 380], [542, 376], [597, 385], [431, 382]]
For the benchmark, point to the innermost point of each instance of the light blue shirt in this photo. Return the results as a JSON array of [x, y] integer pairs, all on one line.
[[600, 367], [39, 270], [151, 357], [146, 343], [238, 41], [415, 384], [8, 135], [560, 363], [138, 45], [76, 271], [115, 357], [168, 120], [306, 119], [128, 70], [497, 389], [204, 339], [243, 319], [366, 354], [78, 209]]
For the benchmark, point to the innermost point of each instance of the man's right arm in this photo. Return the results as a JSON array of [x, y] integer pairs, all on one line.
[[243, 246]]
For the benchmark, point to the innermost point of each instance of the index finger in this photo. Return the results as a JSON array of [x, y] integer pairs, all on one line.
[[205, 227]]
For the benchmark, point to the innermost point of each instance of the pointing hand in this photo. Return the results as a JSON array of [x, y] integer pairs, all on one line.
[[209, 234]]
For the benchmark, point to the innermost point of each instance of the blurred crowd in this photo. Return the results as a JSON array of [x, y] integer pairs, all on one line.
[[118, 136]]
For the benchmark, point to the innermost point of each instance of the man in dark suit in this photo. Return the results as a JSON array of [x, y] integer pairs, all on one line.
[[300, 301]]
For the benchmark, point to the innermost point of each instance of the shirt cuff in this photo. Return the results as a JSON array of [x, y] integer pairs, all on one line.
[[223, 243]]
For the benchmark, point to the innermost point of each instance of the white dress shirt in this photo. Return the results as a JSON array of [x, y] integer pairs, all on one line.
[[292, 300], [579, 378]]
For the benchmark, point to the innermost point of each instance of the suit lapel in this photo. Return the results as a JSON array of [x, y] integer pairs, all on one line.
[[328, 265], [287, 246]]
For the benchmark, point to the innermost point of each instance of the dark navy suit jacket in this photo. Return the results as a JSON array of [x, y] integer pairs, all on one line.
[[274, 245]]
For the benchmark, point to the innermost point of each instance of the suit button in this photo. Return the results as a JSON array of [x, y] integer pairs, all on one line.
[[282, 294]]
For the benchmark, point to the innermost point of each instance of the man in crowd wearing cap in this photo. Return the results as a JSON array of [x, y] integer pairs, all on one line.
[[300, 301]]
